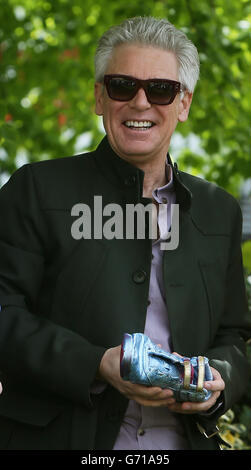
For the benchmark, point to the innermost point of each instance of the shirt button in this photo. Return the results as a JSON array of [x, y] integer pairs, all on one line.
[[141, 432], [164, 200]]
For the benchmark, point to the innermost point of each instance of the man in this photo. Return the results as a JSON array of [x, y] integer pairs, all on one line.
[[67, 300]]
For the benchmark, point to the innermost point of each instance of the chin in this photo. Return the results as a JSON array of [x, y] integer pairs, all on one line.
[[136, 150]]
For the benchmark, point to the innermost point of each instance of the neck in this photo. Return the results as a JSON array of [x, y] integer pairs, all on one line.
[[155, 176], [154, 170]]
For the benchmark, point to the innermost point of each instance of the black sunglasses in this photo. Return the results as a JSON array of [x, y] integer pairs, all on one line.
[[157, 90]]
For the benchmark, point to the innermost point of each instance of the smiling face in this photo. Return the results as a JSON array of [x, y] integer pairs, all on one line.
[[137, 130]]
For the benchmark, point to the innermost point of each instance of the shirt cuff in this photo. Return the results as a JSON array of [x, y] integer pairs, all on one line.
[[214, 408]]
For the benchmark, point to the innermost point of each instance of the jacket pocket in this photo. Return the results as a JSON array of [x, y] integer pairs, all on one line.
[[213, 275], [6, 429], [27, 408], [75, 281]]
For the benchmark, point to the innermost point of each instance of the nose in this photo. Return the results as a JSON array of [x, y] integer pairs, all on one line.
[[140, 101]]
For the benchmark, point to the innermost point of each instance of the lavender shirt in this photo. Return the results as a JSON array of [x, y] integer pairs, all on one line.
[[150, 428]]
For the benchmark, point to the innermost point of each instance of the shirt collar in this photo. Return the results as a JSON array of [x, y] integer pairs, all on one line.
[[161, 194], [124, 175]]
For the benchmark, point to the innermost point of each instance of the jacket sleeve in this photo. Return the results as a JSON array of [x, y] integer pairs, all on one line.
[[34, 350], [228, 352]]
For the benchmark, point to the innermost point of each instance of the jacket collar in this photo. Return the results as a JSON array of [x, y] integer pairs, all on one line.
[[124, 175]]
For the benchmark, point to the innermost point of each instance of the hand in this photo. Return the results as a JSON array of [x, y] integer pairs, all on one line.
[[109, 370], [216, 385]]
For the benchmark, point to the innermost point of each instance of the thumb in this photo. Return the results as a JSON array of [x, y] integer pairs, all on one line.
[[177, 354]]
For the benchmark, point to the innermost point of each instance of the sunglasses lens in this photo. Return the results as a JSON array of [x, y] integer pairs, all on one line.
[[161, 92], [121, 89], [157, 91]]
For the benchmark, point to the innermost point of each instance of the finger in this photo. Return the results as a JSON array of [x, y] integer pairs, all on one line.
[[177, 354], [145, 391], [155, 403], [215, 385], [216, 374], [180, 408], [150, 393], [185, 407], [195, 407], [149, 396], [146, 395]]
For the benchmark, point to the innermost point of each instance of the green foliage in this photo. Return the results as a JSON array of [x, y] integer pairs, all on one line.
[[235, 424], [246, 253], [232, 433], [46, 80]]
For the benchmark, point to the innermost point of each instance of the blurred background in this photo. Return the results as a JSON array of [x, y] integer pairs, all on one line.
[[47, 100]]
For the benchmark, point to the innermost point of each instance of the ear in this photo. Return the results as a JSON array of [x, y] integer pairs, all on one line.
[[99, 97], [184, 106]]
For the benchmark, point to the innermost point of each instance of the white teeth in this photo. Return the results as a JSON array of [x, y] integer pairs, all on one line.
[[138, 123]]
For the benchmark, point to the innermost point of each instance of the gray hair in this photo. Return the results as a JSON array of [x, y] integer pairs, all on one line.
[[154, 32]]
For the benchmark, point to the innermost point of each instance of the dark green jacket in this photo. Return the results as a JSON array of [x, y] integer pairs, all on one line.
[[65, 301]]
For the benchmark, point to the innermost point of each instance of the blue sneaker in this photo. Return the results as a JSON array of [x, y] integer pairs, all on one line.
[[143, 362]]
